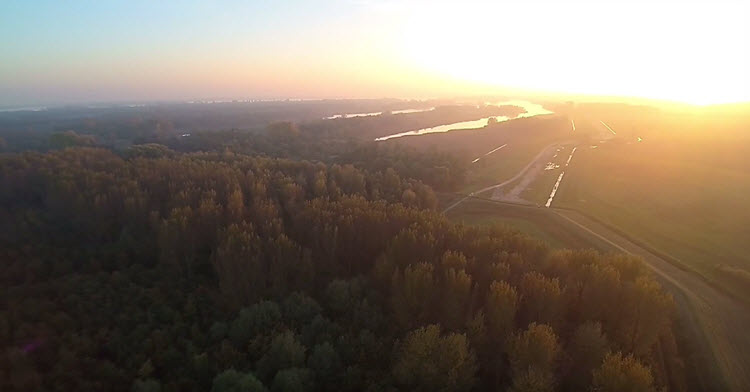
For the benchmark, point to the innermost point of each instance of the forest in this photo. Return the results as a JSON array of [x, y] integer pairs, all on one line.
[[172, 269], [374, 196]]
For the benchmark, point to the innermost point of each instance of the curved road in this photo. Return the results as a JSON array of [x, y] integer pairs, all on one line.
[[506, 182], [718, 323], [710, 314]]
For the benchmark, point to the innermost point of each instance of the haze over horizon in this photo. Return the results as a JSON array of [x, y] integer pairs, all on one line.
[[141, 51], [388, 195]]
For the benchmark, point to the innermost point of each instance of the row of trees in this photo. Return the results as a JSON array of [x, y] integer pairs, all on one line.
[[159, 270], [332, 145], [278, 140]]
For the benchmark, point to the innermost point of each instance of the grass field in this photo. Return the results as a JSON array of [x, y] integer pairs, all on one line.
[[676, 198], [525, 138], [539, 190], [539, 223], [682, 191], [503, 164]]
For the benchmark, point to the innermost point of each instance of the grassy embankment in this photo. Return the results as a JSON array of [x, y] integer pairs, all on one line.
[[539, 223], [525, 138], [677, 201]]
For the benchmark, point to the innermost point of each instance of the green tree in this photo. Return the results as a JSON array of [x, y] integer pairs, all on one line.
[[283, 130], [177, 241], [285, 352], [427, 361], [325, 362], [299, 309], [70, 139], [290, 268], [341, 295], [238, 263], [293, 380], [149, 150], [147, 385], [259, 318], [413, 294], [234, 381], [586, 350]]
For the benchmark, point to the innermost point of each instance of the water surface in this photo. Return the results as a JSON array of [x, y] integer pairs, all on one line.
[[532, 109], [401, 111]]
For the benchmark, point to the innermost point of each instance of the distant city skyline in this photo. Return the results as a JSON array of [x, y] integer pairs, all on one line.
[[145, 51]]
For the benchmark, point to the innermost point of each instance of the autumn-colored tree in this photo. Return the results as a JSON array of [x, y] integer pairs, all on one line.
[[622, 374], [239, 265], [541, 299], [177, 241], [453, 260], [596, 287], [235, 207], [645, 315], [413, 295], [163, 269], [290, 268], [500, 311], [456, 296], [533, 380], [428, 361], [535, 348]]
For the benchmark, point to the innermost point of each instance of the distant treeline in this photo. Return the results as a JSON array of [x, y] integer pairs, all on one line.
[[159, 270], [121, 126], [440, 170]]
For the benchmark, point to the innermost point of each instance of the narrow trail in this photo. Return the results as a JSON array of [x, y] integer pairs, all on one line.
[[477, 160], [610, 129]]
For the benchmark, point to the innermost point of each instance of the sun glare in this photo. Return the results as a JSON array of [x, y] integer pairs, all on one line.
[[688, 52]]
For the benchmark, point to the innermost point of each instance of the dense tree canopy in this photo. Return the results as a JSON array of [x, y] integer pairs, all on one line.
[[160, 270]]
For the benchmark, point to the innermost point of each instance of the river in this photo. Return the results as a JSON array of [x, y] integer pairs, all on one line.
[[532, 109]]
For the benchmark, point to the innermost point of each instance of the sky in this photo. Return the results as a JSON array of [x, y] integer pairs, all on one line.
[[142, 50]]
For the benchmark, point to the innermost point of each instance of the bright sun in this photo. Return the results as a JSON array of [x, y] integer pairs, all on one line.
[[688, 51]]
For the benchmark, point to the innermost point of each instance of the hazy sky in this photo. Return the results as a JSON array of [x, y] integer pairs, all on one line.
[[136, 50]]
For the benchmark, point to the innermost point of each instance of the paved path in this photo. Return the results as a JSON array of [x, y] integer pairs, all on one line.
[[712, 315], [504, 183]]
